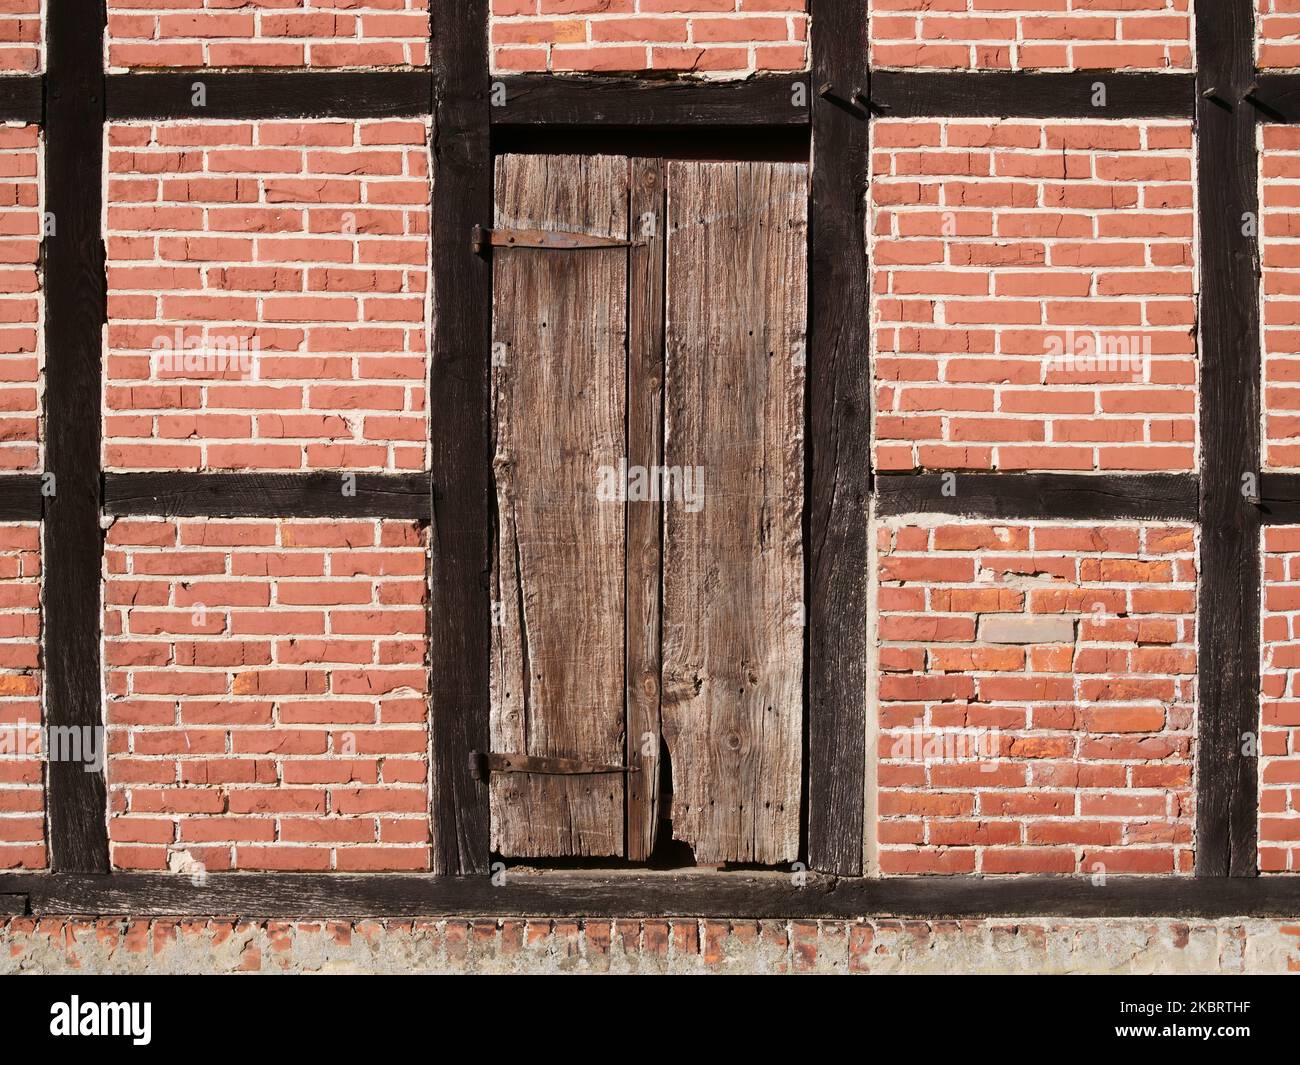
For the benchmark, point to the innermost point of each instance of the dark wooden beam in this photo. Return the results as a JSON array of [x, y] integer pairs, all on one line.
[[1017, 94], [561, 100], [1274, 98], [1279, 499], [13, 905], [1227, 801], [736, 895], [21, 98], [20, 497], [838, 448], [75, 312], [459, 389], [268, 495], [270, 94], [1028, 496]]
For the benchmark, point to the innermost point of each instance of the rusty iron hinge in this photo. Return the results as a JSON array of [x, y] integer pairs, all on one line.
[[481, 765], [485, 238]]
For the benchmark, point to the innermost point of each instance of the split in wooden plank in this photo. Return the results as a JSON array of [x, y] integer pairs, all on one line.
[[733, 551], [645, 384]]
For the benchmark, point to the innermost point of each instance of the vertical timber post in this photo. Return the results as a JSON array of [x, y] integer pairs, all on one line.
[[76, 309], [839, 438], [1228, 624], [459, 399]]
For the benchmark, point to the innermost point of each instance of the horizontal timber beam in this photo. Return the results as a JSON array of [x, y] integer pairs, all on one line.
[[1279, 498], [20, 497], [1049, 496], [22, 98], [1274, 98], [268, 495], [1019, 94], [203, 95], [600, 895], [558, 100]]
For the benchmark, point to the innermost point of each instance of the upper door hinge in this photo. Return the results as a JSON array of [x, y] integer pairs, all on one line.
[[485, 238]]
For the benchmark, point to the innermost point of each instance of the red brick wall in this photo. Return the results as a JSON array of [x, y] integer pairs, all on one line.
[[267, 686], [711, 37], [1037, 697], [1279, 740], [305, 242], [1032, 298], [22, 44], [1032, 34], [1277, 32], [22, 796], [268, 33], [20, 302], [1280, 224]]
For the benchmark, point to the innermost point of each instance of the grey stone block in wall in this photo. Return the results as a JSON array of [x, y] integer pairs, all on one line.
[[1026, 628]]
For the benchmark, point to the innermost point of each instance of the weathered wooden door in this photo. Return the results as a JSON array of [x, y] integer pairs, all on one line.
[[648, 580]]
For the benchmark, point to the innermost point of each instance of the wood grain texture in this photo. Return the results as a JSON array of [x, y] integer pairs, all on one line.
[[1154, 496], [272, 94], [1227, 793], [75, 312], [567, 100], [1023, 94], [595, 895], [733, 566], [460, 619], [839, 449], [645, 386], [559, 403], [268, 495]]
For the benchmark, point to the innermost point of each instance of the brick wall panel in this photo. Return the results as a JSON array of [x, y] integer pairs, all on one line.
[[22, 793], [268, 33], [1037, 697], [1277, 33], [21, 347], [714, 38], [267, 686], [1032, 34], [1032, 301], [22, 36], [1279, 763], [299, 251], [1279, 200]]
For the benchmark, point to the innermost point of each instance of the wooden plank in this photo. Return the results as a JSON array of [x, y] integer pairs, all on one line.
[[13, 905], [733, 547], [460, 447], [645, 386], [1227, 800], [559, 399], [75, 311], [1155, 496], [839, 449], [733, 895], [21, 98], [563, 100], [268, 495], [1101, 95], [269, 94]]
